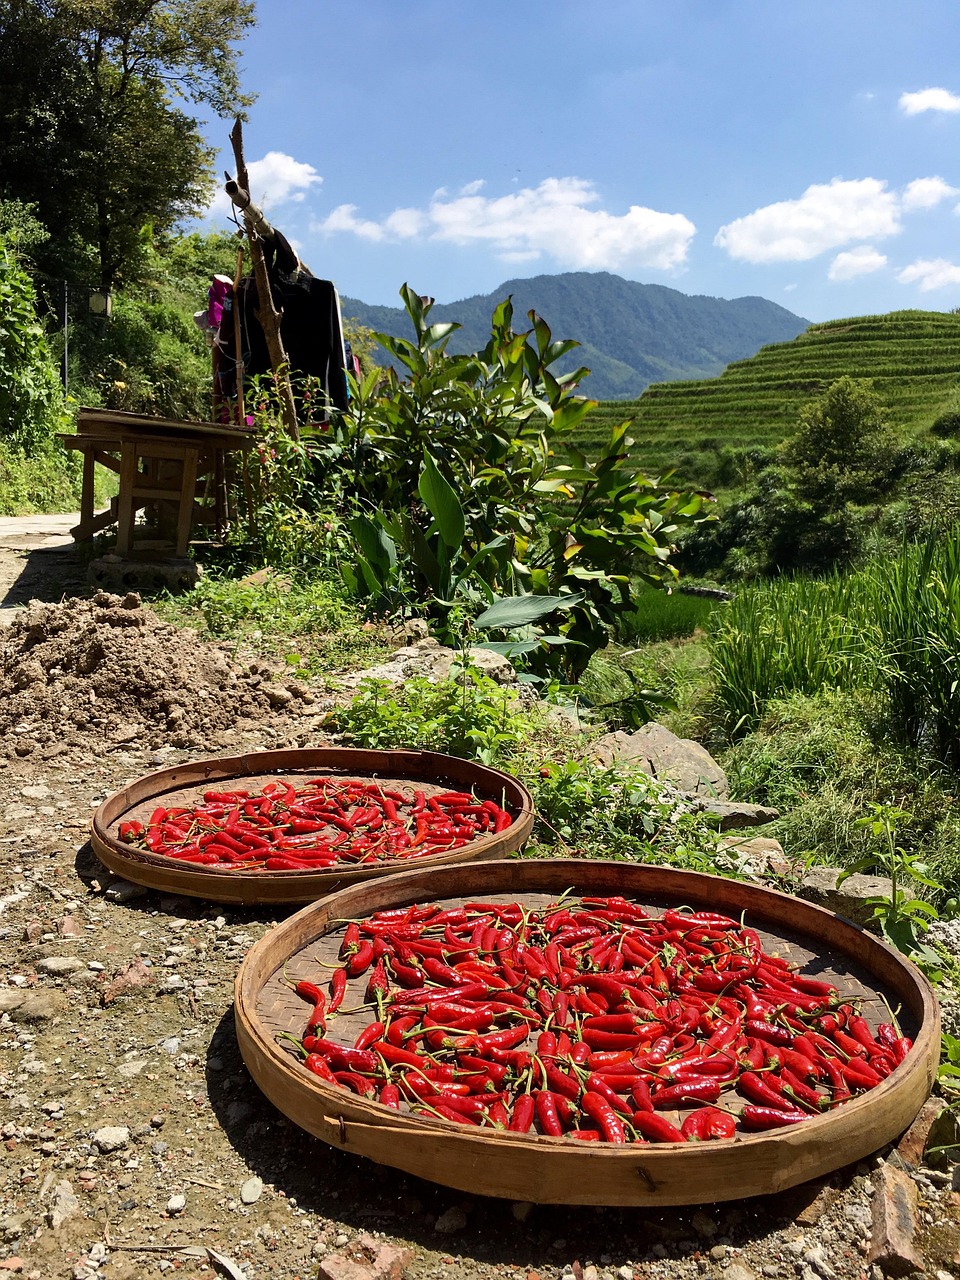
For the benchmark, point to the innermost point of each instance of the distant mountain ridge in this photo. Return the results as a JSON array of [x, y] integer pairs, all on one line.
[[630, 334]]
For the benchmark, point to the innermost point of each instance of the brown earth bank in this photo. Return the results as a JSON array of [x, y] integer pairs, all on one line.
[[133, 1142]]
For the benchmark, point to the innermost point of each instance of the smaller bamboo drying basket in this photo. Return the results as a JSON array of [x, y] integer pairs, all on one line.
[[184, 785], [561, 1170]]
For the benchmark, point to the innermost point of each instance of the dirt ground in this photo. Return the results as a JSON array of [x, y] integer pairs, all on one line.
[[133, 1142]]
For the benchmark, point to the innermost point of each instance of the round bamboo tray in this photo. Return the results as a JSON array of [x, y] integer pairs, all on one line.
[[563, 1171], [184, 784]]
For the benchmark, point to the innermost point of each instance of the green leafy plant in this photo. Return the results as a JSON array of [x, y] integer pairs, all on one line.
[[467, 715], [462, 486], [624, 814], [902, 917]]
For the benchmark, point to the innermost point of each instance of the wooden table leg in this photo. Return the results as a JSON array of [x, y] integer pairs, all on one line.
[[125, 507], [188, 486]]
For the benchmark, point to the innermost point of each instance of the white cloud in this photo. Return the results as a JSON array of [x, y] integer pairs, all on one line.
[[554, 218], [931, 273], [856, 262], [275, 180], [278, 178], [826, 216], [929, 100], [343, 218], [924, 193]]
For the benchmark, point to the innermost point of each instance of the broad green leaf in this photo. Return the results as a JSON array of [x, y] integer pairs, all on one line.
[[521, 611], [440, 499]]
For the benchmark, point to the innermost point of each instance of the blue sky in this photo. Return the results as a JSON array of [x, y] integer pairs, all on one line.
[[806, 152]]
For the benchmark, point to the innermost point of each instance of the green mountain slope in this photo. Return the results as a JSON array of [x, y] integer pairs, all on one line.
[[912, 358], [630, 334]]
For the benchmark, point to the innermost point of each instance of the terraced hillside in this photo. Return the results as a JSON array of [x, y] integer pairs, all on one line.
[[912, 359]]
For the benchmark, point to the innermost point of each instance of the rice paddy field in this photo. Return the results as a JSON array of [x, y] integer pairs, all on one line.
[[912, 359]]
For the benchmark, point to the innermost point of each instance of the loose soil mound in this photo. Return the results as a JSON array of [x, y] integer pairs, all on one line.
[[108, 664]]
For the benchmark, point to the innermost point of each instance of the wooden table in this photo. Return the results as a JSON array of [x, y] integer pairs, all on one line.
[[158, 461]]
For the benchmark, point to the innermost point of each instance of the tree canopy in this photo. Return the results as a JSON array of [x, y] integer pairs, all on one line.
[[95, 130]]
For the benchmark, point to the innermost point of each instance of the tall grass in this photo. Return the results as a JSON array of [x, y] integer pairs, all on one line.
[[893, 628], [790, 636], [658, 616], [918, 621]]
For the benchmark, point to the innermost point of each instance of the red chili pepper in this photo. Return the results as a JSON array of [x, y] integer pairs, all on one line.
[[524, 1109], [656, 1128], [548, 1118], [601, 1112], [686, 1093], [757, 1090], [338, 987], [754, 1117]]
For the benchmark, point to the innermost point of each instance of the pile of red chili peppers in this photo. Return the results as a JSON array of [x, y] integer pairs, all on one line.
[[590, 1018], [323, 823]]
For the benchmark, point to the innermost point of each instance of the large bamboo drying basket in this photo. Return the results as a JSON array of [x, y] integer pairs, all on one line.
[[564, 1171], [184, 784]]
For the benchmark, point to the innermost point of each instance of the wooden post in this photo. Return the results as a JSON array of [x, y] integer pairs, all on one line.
[[267, 314]]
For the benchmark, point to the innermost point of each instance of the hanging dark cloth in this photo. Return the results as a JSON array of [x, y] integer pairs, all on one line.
[[310, 328]]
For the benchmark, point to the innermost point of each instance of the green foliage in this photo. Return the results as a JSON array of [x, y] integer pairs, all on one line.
[[151, 357], [901, 916], [657, 615], [31, 401], [916, 600], [624, 814], [789, 636], [468, 491], [663, 681], [468, 715], [842, 448], [813, 511], [946, 426], [47, 479], [824, 760], [94, 131], [307, 625]]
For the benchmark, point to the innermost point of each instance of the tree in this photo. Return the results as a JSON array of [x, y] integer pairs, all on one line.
[[89, 132], [843, 447]]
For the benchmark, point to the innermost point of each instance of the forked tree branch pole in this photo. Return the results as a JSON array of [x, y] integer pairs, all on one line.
[[258, 230]]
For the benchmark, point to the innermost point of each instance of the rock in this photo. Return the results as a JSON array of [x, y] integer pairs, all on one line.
[[60, 965], [125, 891], [135, 974], [70, 927], [819, 886], [10, 1000], [815, 1199], [390, 1261], [733, 814], [251, 1191], [65, 1205], [450, 1222], [935, 1126], [894, 1223], [13, 1265], [176, 1204], [817, 1259], [759, 857], [431, 661], [663, 755], [111, 1138], [737, 1271], [339, 1267], [39, 1006]]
